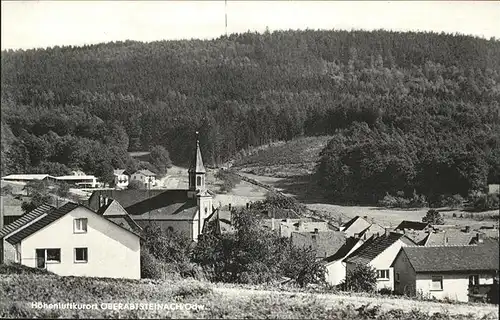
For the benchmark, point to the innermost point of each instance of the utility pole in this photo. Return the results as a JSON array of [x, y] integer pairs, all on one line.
[[225, 15]]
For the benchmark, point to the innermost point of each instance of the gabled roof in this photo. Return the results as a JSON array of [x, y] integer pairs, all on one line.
[[344, 250], [375, 246], [355, 226], [114, 212], [371, 230], [27, 218], [453, 258], [417, 236], [26, 177], [412, 225], [118, 172], [326, 243], [51, 216], [449, 238], [196, 165], [146, 172]]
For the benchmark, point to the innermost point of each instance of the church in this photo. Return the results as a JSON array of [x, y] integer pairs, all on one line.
[[181, 210]]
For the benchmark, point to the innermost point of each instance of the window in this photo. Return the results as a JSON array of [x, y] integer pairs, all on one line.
[[44, 256], [81, 255], [437, 283], [198, 181], [473, 280], [383, 274], [80, 225], [397, 276]]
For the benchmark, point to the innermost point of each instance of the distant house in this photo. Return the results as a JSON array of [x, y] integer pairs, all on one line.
[[379, 252], [285, 227], [219, 223], [146, 177], [121, 178], [79, 181], [334, 264], [72, 241], [360, 227], [494, 189], [181, 210], [114, 212], [28, 177], [413, 225], [325, 243], [445, 271]]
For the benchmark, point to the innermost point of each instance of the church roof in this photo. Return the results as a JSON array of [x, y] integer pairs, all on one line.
[[197, 164]]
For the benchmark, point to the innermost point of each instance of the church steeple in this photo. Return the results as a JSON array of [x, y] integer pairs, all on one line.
[[197, 169]]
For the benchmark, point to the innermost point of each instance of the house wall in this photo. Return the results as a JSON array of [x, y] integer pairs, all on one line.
[[144, 179], [336, 270], [183, 226], [455, 286], [112, 251], [407, 276], [8, 252], [384, 261], [121, 177]]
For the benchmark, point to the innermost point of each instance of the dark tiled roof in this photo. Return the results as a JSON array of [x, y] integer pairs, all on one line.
[[453, 258], [32, 215], [52, 215], [375, 246], [344, 250], [412, 225], [326, 243], [128, 198], [126, 223], [170, 204]]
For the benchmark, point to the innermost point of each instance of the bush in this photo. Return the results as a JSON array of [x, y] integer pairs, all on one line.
[[229, 180], [362, 279], [399, 201], [16, 268], [484, 202]]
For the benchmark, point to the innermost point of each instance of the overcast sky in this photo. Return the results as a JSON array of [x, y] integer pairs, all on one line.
[[31, 24]]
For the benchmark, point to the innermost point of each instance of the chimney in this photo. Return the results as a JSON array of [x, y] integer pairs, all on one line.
[[316, 230], [387, 232], [229, 207], [272, 224], [248, 205], [480, 237], [365, 217], [467, 229]]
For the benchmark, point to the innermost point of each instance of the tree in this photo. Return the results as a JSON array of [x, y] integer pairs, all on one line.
[[433, 217], [362, 279], [104, 171], [135, 185], [37, 199], [160, 158]]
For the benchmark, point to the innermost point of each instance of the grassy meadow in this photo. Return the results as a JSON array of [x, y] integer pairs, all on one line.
[[224, 301]]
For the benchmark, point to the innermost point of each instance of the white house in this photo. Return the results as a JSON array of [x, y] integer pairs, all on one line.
[[80, 181], [379, 252], [121, 178], [72, 241], [146, 177], [334, 264], [445, 272]]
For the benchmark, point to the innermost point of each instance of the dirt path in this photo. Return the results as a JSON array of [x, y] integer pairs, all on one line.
[[386, 304]]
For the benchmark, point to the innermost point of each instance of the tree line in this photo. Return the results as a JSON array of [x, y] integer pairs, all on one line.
[[428, 103]]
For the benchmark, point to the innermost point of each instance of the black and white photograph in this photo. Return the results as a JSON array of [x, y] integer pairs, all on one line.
[[250, 159]]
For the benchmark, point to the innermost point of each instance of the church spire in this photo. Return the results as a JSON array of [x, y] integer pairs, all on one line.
[[197, 169]]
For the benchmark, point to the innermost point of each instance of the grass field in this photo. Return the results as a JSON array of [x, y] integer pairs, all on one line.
[[215, 301], [297, 157]]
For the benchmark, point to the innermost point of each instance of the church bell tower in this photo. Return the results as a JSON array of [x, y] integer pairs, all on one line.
[[197, 171]]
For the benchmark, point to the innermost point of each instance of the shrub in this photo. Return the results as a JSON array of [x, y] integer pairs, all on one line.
[[16, 268], [362, 279], [485, 202], [229, 180], [433, 217], [385, 291], [192, 289], [399, 201]]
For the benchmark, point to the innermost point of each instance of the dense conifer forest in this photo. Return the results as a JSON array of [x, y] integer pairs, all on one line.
[[408, 111]]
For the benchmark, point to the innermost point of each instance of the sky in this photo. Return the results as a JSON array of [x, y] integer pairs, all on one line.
[[35, 24]]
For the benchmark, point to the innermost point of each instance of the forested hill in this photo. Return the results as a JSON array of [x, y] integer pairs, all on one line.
[[421, 95]]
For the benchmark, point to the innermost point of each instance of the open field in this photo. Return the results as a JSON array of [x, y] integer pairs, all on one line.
[[297, 157], [215, 301]]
